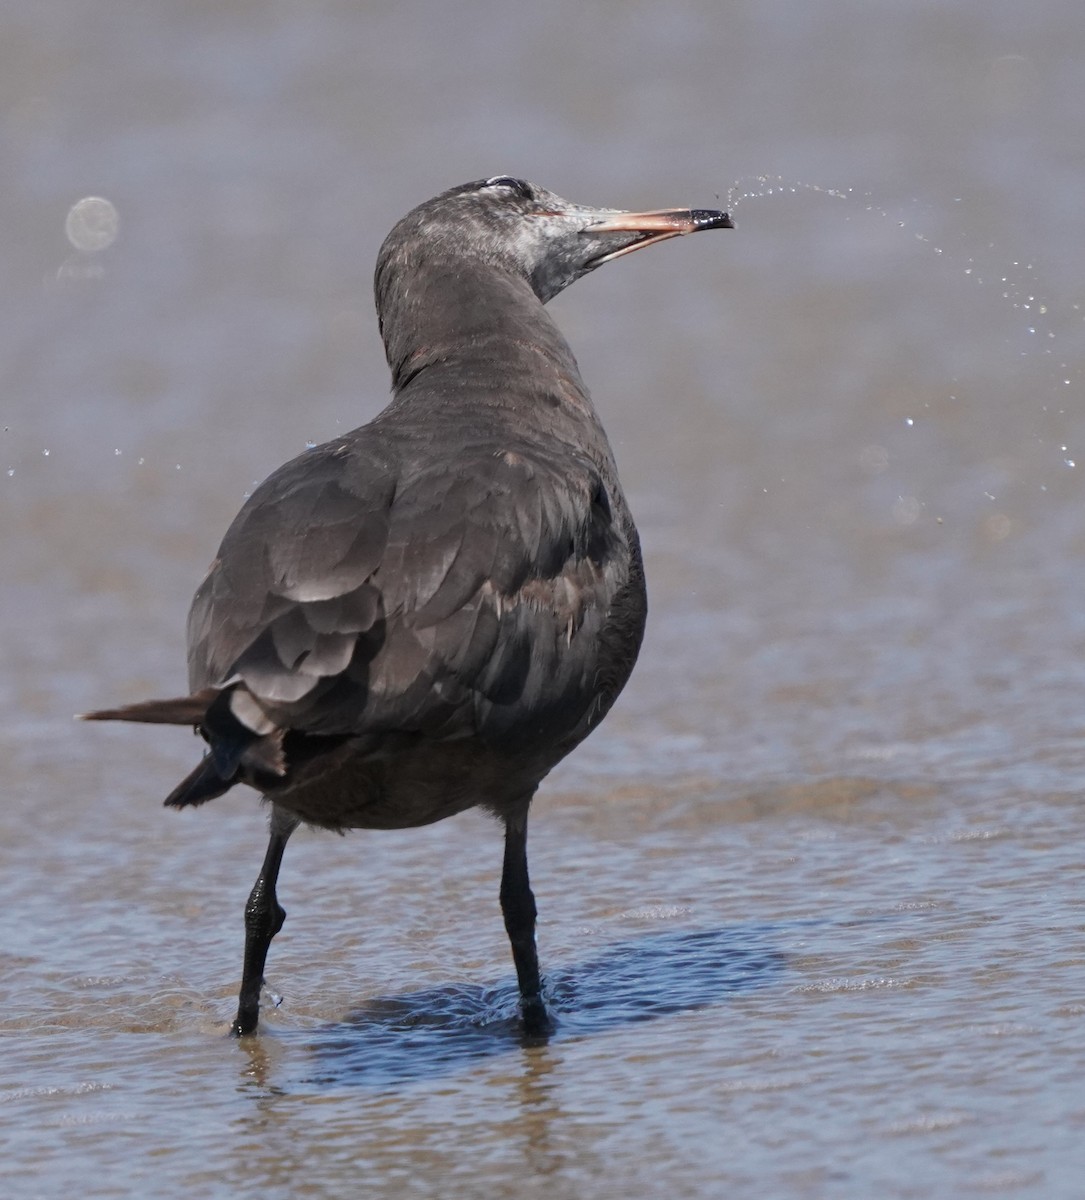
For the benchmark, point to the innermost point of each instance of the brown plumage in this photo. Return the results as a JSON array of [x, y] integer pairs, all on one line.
[[431, 611]]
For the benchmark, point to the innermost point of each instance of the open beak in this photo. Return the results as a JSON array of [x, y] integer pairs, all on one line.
[[656, 226]]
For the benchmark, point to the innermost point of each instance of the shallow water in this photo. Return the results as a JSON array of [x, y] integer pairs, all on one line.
[[811, 911]]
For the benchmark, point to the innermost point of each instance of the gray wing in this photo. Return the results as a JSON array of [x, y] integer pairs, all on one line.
[[356, 593]]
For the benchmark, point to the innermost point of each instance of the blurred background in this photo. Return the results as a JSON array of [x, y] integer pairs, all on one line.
[[853, 435]]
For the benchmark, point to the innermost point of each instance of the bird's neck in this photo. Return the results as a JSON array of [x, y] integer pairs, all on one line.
[[478, 336]]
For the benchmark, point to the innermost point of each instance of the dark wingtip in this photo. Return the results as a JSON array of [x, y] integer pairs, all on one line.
[[198, 786]]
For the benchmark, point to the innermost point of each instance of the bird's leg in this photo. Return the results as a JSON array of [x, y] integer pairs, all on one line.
[[263, 919], [518, 906]]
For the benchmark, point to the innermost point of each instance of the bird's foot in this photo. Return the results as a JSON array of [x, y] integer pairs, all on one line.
[[538, 1025], [244, 1024]]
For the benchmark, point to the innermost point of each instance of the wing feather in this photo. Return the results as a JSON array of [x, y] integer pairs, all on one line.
[[359, 592]]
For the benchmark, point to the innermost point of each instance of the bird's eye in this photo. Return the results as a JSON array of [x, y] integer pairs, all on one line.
[[522, 189]]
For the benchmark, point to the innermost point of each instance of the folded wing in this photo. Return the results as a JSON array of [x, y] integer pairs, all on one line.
[[358, 593]]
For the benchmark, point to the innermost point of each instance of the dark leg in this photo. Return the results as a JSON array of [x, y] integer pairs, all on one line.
[[518, 906], [263, 920]]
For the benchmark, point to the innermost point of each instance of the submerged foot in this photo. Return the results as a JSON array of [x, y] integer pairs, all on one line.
[[537, 1021]]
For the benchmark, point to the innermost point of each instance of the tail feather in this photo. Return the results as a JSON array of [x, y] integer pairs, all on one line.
[[237, 752], [179, 710]]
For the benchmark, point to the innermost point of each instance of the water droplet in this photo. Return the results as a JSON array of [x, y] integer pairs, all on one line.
[[11, 471], [45, 453], [140, 462], [908, 421], [92, 224], [117, 451], [1070, 462]]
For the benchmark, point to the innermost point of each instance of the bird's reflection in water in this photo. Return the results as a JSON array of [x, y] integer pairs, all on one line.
[[426, 1034]]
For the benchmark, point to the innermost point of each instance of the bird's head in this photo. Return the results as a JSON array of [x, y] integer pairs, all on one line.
[[520, 228]]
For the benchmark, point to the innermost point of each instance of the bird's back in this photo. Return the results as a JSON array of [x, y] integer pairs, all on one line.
[[453, 578]]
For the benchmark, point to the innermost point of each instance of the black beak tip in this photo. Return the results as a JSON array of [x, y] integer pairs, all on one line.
[[711, 218]]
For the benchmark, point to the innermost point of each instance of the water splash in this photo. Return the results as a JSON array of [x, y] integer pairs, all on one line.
[[754, 187], [1018, 284]]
